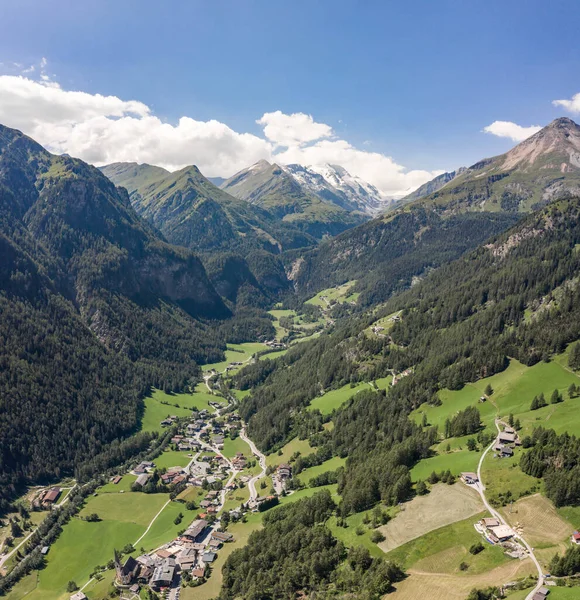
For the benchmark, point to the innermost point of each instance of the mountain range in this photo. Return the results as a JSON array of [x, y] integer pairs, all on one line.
[[542, 168]]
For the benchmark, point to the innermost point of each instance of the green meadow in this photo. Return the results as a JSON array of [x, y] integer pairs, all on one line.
[[293, 446], [329, 465], [81, 546], [232, 447], [236, 353], [448, 547], [335, 398], [338, 294]]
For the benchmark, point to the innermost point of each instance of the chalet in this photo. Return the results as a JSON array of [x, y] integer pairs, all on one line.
[[469, 478], [541, 594], [502, 532], [575, 539], [179, 479], [199, 572], [215, 544], [50, 497], [507, 452], [212, 510], [212, 494], [205, 503], [115, 480], [509, 430], [208, 557], [78, 596], [195, 530], [163, 574], [284, 471], [143, 479], [163, 553], [489, 522], [44, 550], [176, 439], [483, 399], [506, 438]]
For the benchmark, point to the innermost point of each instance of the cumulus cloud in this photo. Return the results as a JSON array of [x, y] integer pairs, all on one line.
[[294, 129], [510, 130], [103, 129], [572, 105]]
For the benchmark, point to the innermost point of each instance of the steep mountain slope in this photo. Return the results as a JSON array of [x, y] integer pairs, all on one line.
[[516, 296], [191, 211], [542, 168], [432, 186], [387, 253], [95, 309], [275, 189]]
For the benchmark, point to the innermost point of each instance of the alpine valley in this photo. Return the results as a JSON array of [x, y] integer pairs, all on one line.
[[282, 384]]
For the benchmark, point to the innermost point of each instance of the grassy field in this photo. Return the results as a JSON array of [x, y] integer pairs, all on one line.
[[442, 550], [308, 492], [337, 294], [351, 535], [232, 447], [236, 353], [82, 546], [293, 446], [329, 465], [503, 474], [164, 528], [456, 586], [539, 521], [458, 460], [514, 390], [172, 458], [155, 412], [336, 398], [423, 514]]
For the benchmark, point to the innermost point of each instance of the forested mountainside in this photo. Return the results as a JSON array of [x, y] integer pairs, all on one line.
[[238, 243], [96, 308], [516, 296], [540, 169], [386, 254], [274, 188]]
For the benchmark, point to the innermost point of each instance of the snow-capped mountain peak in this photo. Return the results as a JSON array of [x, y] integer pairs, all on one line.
[[336, 184]]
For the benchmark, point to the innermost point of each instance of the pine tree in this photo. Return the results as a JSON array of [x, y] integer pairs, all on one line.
[[574, 359]]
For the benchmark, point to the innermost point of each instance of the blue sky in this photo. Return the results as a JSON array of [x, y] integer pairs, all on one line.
[[416, 81]]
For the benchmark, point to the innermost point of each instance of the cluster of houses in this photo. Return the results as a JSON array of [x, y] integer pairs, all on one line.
[[47, 498], [190, 553], [275, 345], [505, 443]]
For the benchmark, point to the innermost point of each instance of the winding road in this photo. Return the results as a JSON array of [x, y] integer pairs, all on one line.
[[481, 490], [261, 460]]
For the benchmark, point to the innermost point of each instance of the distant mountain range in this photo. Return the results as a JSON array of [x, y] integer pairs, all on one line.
[[447, 216], [262, 182]]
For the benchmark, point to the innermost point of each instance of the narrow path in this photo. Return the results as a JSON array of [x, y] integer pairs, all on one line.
[[481, 489], [151, 523]]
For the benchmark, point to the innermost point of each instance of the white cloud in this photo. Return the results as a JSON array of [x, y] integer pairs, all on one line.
[[103, 129], [510, 130], [294, 129], [572, 105]]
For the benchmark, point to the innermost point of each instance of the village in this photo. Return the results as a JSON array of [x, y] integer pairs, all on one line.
[[188, 557]]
